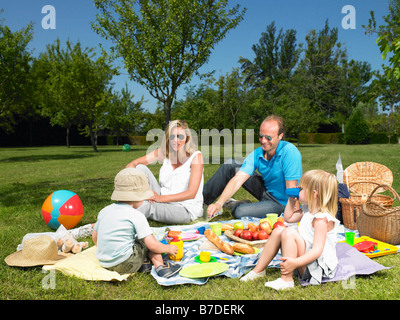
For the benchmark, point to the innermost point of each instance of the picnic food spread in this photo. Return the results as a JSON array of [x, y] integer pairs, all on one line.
[[221, 245]]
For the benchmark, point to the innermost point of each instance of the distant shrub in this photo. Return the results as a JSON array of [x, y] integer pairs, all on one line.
[[356, 130], [321, 138]]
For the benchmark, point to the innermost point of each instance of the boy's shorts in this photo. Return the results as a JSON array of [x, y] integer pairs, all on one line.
[[135, 261]]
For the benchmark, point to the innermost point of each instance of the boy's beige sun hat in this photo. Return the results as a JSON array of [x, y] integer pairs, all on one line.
[[37, 251], [131, 184]]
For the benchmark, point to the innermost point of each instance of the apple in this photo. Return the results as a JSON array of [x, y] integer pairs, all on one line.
[[255, 235], [237, 232], [262, 235], [265, 225], [246, 235], [262, 220], [279, 223], [252, 227], [238, 225]]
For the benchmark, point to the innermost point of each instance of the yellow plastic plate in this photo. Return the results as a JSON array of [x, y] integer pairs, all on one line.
[[381, 250], [203, 270]]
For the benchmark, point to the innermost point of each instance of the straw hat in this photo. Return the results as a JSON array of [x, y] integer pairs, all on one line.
[[131, 184], [38, 251]]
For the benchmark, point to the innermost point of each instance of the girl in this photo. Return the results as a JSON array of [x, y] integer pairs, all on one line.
[[178, 196], [309, 252]]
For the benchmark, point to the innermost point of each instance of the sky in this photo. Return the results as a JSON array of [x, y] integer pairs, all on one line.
[[73, 17]]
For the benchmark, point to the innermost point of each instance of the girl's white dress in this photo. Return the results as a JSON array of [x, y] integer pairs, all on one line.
[[325, 266]]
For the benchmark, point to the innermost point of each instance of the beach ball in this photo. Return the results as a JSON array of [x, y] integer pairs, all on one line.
[[62, 207], [126, 147]]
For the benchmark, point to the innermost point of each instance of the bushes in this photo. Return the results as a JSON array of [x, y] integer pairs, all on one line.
[[357, 129], [338, 138], [321, 138]]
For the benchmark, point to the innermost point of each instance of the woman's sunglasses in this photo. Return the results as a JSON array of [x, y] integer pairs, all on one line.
[[179, 136]]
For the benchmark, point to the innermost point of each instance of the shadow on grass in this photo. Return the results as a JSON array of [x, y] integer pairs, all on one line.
[[46, 157], [90, 191]]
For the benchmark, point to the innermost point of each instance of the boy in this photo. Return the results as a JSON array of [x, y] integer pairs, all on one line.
[[122, 234]]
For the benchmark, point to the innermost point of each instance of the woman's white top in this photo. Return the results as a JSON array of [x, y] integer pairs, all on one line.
[[174, 181]]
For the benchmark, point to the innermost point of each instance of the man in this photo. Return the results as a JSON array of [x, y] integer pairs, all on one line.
[[279, 167]]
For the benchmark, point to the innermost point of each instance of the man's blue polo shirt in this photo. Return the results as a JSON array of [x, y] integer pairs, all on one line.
[[284, 165]]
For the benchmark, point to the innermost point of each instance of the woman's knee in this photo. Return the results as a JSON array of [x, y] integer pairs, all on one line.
[[142, 168]]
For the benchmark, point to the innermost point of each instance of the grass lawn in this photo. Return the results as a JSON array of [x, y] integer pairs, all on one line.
[[29, 175]]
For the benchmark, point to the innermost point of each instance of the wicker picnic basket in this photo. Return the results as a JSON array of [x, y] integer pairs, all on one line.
[[351, 207], [361, 178], [366, 172], [380, 222]]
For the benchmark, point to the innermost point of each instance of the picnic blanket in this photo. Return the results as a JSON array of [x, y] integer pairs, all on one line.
[[86, 266], [239, 265]]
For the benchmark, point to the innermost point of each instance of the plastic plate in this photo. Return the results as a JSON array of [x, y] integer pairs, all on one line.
[[203, 270]]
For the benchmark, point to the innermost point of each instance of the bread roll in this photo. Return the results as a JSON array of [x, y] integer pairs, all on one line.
[[226, 226], [221, 245], [243, 248]]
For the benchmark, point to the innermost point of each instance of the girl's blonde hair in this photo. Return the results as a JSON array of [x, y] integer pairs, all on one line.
[[326, 185], [190, 145]]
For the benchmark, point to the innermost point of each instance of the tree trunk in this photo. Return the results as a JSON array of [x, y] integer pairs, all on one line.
[[167, 111], [67, 138], [93, 138]]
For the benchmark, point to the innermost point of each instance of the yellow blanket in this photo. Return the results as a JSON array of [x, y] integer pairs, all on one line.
[[86, 266]]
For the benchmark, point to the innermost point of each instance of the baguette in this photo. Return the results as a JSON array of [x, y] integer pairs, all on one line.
[[221, 245], [243, 248]]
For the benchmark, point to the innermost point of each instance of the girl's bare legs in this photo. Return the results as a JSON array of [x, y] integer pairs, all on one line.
[[293, 246], [270, 250]]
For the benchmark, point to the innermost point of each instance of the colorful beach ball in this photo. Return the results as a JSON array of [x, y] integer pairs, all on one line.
[[126, 147], [62, 207]]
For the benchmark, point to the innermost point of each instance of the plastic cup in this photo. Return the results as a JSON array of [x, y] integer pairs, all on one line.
[[205, 256], [201, 230], [273, 217], [216, 228], [349, 236]]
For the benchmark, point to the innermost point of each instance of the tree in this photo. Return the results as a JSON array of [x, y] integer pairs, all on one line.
[[356, 129], [322, 64], [75, 87], [276, 55], [123, 116], [388, 37], [15, 79], [199, 108], [233, 93], [163, 43]]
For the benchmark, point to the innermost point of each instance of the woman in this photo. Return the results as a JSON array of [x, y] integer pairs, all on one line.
[[178, 196]]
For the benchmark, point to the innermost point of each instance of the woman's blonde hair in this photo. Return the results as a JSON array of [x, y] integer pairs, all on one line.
[[190, 145], [326, 185]]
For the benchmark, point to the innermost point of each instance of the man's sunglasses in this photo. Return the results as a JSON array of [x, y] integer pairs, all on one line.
[[180, 137], [269, 138]]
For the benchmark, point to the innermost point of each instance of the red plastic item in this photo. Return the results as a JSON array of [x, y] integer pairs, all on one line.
[[365, 246]]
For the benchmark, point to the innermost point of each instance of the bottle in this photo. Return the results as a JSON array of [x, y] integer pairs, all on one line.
[[179, 243]]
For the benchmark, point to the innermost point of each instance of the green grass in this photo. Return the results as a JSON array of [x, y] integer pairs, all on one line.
[[29, 175]]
